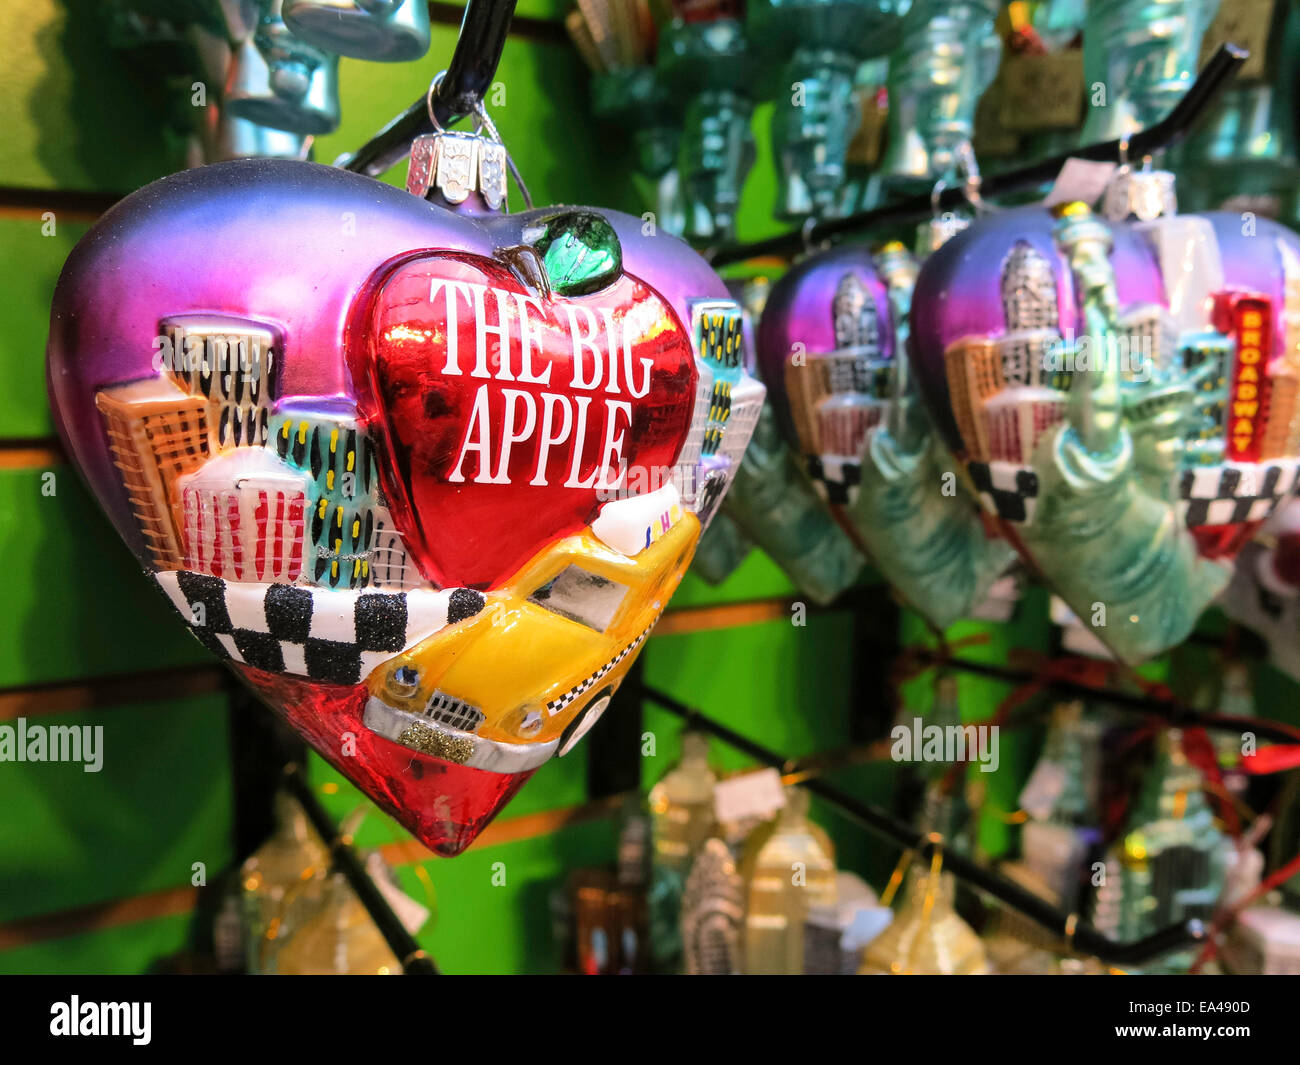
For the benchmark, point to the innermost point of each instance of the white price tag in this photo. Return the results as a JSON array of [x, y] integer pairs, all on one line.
[[750, 795], [412, 914], [1080, 180], [868, 922], [1043, 789]]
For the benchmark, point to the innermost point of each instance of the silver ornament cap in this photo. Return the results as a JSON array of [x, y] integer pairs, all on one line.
[[1142, 194], [455, 165]]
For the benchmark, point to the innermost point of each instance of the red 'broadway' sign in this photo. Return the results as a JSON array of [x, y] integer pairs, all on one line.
[[1252, 325]]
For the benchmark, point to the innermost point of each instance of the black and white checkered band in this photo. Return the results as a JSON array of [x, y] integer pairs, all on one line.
[[334, 635], [1235, 492], [1006, 489], [837, 478], [554, 706]]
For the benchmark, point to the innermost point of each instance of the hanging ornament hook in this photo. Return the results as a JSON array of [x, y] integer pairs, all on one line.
[[434, 85], [935, 194], [477, 160], [806, 232], [972, 180]]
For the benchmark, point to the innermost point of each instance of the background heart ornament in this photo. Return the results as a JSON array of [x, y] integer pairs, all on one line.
[[1122, 396], [831, 346], [425, 479]]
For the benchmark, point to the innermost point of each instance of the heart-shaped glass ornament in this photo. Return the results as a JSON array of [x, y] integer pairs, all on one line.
[[424, 478], [777, 506], [830, 346], [1122, 396]]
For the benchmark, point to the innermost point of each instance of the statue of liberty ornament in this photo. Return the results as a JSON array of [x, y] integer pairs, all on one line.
[[830, 344], [1121, 394], [424, 474]]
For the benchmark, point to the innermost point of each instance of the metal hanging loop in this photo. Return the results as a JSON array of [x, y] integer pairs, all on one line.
[[935, 194], [428, 101], [972, 180], [806, 234]]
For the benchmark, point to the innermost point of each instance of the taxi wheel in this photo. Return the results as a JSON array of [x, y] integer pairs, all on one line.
[[581, 725]]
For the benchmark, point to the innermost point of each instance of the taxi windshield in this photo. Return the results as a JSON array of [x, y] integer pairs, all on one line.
[[581, 596]]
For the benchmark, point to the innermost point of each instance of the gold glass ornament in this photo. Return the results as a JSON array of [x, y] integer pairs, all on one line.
[[339, 939], [681, 806], [281, 881], [927, 936], [789, 866]]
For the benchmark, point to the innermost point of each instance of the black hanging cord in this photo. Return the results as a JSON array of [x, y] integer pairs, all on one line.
[[1079, 936], [1168, 131], [469, 76], [415, 962]]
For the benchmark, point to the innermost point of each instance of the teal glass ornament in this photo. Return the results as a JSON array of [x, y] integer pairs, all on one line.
[[279, 81], [945, 60], [382, 31], [722, 548], [816, 47], [1243, 154], [774, 504], [711, 72], [1139, 58], [636, 99]]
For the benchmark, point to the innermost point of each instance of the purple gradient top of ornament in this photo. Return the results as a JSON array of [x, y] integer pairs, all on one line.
[[289, 243], [959, 293], [1252, 261], [801, 310]]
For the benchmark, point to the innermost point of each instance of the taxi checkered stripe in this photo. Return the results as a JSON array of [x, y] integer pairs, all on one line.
[[1213, 495], [1007, 490], [837, 478], [554, 706], [327, 634]]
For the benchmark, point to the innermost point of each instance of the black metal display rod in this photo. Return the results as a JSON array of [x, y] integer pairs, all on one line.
[[415, 962], [1168, 131], [1078, 935], [469, 76], [1172, 711]]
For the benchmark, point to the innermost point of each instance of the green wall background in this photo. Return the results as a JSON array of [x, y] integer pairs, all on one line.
[[79, 119]]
